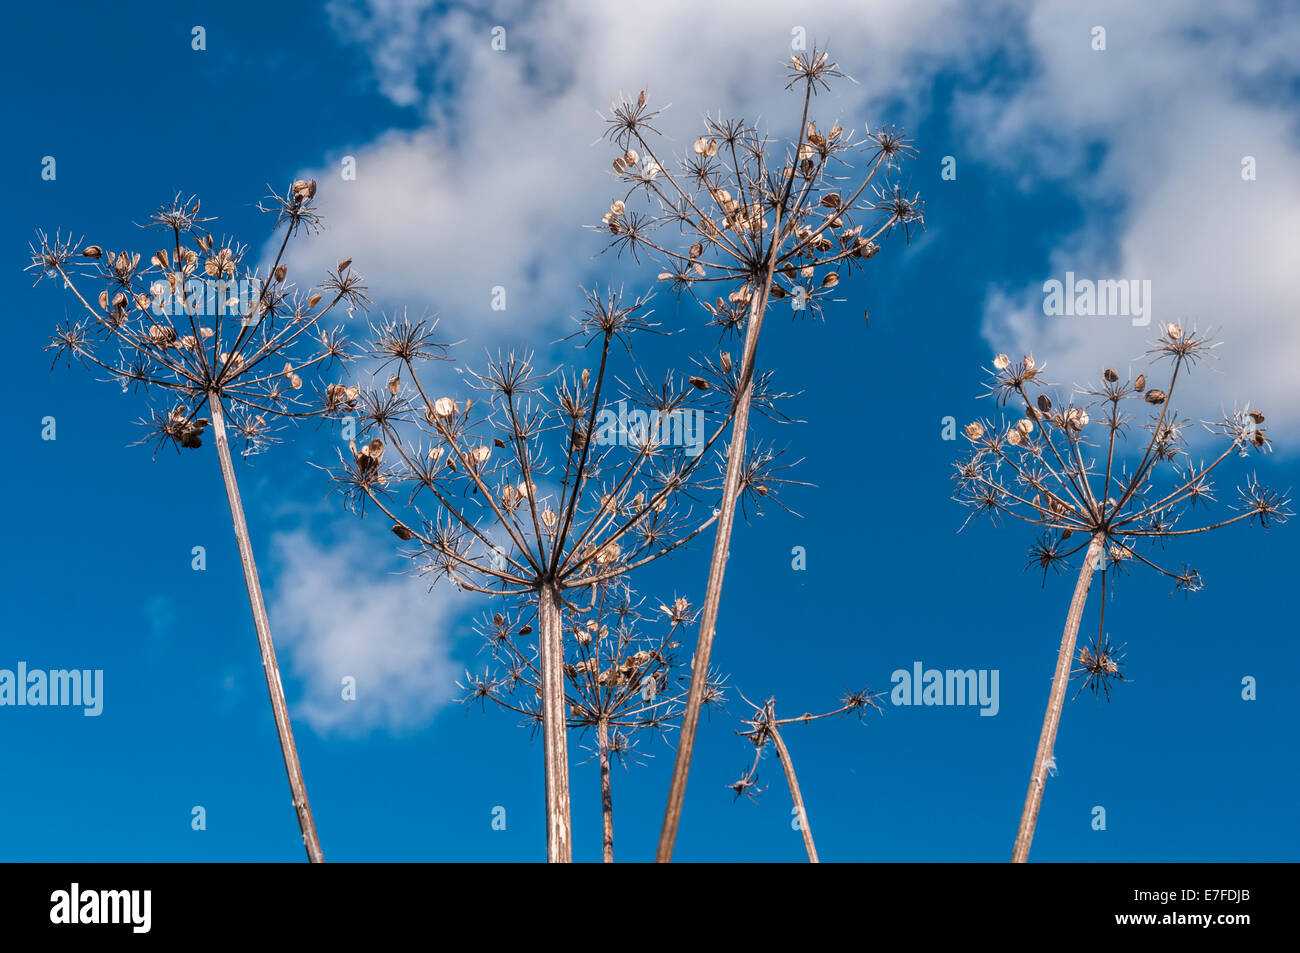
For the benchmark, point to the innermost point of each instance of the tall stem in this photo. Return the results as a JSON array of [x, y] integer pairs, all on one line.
[[270, 667], [796, 796], [606, 792], [717, 567], [559, 843], [1055, 704]]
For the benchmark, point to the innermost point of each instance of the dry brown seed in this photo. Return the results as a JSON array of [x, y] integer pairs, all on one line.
[[1140, 384], [1256, 416], [393, 384], [974, 430], [92, 251], [444, 406], [620, 165], [295, 382], [549, 519], [1025, 426], [1155, 396], [1044, 403], [831, 280], [313, 301], [699, 382], [724, 361], [1110, 375], [631, 157], [640, 99], [480, 454], [1001, 362], [401, 532], [1258, 438], [1174, 331]]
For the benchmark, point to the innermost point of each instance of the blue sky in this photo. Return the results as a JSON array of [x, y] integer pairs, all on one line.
[[477, 168]]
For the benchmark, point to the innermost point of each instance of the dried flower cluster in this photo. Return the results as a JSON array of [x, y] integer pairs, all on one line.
[[763, 727], [737, 222], [196, 323], [1062, 466], [529, 490], [620, 681]]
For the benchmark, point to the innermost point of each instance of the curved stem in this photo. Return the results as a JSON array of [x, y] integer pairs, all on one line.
[[555, 749], [261, 622], [796, 796], [1055, 704]]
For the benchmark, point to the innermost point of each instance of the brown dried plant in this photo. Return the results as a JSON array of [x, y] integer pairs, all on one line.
[[533, 494], [621, 682], [177, 326], [738, 222], [763, 726], [1041, 470]]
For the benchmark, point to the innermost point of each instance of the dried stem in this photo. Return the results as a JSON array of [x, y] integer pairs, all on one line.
[[796, 796], [606, 793], [270, 666], [555, 746], [1056, 702]]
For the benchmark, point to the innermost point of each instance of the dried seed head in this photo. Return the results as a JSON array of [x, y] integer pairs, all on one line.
[[974, 430], [1174, 331]]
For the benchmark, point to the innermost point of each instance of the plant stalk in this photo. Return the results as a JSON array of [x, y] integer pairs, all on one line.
[[559, 842], [1055, 703], [796, 796], [717, 567], [270, 667], [606, 792]]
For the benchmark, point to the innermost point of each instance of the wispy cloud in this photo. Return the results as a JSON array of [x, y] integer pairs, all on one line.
[[338, 614], [1150, 136]]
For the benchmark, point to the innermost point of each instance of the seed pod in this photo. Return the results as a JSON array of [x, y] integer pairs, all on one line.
[[1155, 396], [393, 384], [280, 272], [1140, 384], [549, 519], [724, 361], [1258, 438], [480, 455], [92, 251], [1174, 331], [401, 532], [1256, 416], [586, 378], [974, 430], [1110, 375], [640, 99], [631, 157], [700, 383], [444, 406], [1001, 362], [620, 165], [831, 280], [1044, 403], [313, 301]]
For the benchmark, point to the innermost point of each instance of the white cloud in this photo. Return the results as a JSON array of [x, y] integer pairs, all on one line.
[[335, 612], [495, 186], [1174, 103]]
